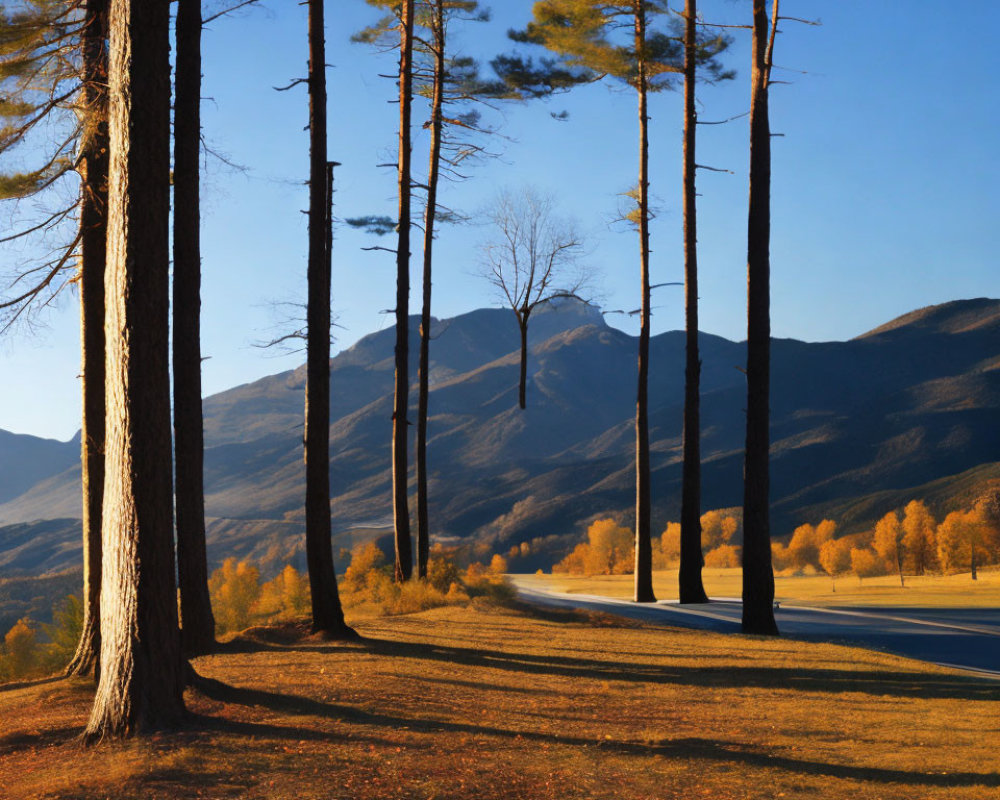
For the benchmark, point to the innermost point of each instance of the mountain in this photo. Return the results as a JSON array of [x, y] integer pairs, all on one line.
[[857, 427]]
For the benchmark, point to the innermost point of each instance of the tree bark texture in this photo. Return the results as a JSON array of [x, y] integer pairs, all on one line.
[[691, 589], [197, 622], [142, 676], [643, 544], [93, 168], [327, 613], [400, 506], [423, 391], [758, 575]]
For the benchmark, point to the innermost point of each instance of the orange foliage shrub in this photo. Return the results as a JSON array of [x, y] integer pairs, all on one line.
[[21, 652], [919, 539], [804, 547], [286, 595], [234, 588], [835, 558], [723, 556], [608, 551], [864, 563], [668, 554]]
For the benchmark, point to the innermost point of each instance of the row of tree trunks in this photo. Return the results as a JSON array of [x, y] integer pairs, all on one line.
[[142, 669], [93, 168], [430, 213], [758, 575], [400, 504]]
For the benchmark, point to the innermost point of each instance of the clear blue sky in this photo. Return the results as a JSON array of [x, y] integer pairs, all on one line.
[[885, 184]]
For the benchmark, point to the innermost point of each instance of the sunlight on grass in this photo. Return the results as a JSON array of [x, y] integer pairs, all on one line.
[[504, 704]]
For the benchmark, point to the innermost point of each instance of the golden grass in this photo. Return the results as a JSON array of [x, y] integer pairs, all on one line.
[[455, 703], [939, 591]]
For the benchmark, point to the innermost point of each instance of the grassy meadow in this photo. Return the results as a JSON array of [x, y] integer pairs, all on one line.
[[493, 702], [942, 591]]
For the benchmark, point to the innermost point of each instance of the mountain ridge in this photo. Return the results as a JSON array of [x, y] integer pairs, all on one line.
[[905, 404]]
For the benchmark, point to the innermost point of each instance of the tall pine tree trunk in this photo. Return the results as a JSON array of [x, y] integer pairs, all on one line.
[[327, 613], [197, 622], [142, 675], [93, 241], [643, 544], [423, 392], [400, 506], [758, 575], [691, 589]]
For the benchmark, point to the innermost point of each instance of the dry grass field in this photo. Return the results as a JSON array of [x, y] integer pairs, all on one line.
[[502, 703], [941, 591]]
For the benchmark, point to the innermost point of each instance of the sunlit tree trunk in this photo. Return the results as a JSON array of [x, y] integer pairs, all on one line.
[[93, 167], [400, 506], [423, 392], [141, 674], [691, 589], [643, 545], [327, 613], [758, 575], [197, 622]]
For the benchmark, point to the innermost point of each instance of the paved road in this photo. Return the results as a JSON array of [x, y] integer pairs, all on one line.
[[967, 638]]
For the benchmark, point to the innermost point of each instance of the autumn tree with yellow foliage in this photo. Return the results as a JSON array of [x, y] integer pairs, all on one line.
[[835, 558], [967, 540], [607, 551], [234, 588], [889, 542], [919, 539]]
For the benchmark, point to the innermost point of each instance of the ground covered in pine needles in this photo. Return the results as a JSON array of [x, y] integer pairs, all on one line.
[[507, 703]]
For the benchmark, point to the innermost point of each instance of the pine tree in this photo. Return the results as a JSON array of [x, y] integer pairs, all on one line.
[[327, 612], [197, 622], [93, 161], [584, 35], [142, 675], [691, 589], [54, 70], [758, 574], [446, 80]]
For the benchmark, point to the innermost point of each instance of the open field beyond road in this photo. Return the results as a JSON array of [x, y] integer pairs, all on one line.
[[928, 591], [456, 703]]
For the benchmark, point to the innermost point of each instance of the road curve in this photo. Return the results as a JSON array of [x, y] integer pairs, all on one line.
[[965, 638]]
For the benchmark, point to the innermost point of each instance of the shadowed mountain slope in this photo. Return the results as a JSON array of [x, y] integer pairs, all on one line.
[[856, 425]]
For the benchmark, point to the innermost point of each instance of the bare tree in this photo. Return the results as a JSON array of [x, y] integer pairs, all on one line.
[[532, 259]]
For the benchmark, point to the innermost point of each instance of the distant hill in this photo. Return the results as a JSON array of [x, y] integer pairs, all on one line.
[[857, 427]]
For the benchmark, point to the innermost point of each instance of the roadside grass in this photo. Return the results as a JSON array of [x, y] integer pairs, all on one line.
[[932, 591], [505, 703]]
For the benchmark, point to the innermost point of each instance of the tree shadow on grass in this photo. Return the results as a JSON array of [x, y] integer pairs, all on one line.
[[721, 751], [10, 687], [914, 685], [51, 737]]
